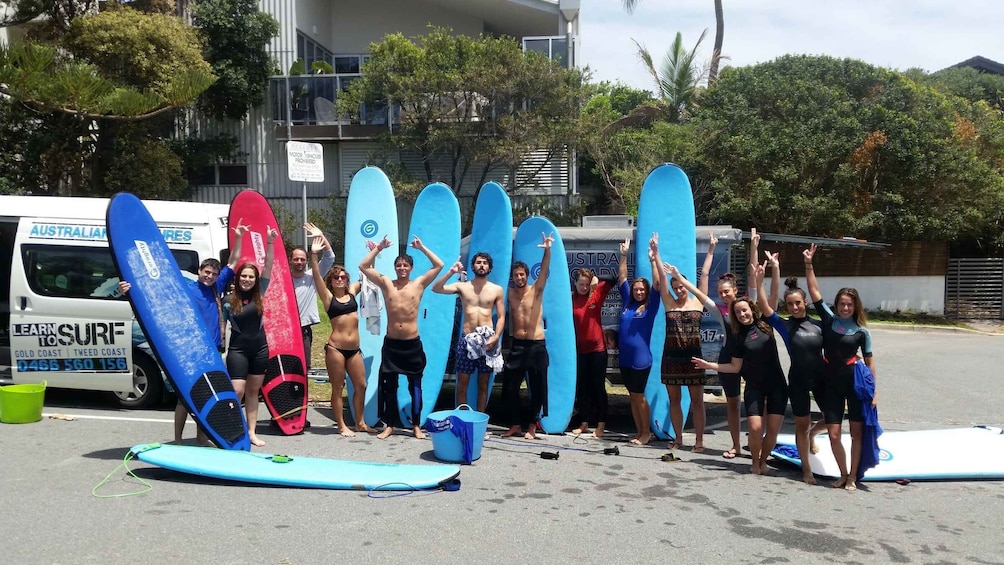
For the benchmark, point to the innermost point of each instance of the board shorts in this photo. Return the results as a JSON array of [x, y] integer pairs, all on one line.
[[467, 366], [403, 356]]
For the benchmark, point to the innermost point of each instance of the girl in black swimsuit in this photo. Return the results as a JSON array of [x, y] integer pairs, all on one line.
[[341, 352]]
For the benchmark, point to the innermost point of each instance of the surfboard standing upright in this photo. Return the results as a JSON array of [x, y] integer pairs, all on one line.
[[436, 221], [557, 309], [168, 315], [285, 384], [370, 214], [667, 208], [491, 233]]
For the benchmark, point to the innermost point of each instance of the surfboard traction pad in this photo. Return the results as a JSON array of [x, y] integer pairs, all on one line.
[[221, 417], [285, 396]]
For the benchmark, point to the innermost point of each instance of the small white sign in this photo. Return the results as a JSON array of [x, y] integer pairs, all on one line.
[[304, 161]]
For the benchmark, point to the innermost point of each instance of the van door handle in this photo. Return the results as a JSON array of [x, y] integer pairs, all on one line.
[[24, 302]]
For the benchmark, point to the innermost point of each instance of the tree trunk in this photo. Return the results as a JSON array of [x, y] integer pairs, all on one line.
[[716, 53]]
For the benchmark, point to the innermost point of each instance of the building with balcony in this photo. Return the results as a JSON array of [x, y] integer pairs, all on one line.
[[339, 32]]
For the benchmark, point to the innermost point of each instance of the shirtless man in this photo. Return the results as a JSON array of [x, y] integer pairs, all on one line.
[[402, 348], [528, 357], [479, 299]]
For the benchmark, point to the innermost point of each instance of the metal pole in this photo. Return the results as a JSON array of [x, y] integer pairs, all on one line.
[[306, 242]]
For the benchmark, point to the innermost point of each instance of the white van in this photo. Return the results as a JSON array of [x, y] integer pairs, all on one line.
[[62, 319]]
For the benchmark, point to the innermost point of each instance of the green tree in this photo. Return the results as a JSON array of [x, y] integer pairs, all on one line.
[[677, 78], [236, 35], [716, 53], [822, 146], [478, 104]]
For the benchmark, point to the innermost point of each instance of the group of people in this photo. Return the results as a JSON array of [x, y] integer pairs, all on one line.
[[822, 352]]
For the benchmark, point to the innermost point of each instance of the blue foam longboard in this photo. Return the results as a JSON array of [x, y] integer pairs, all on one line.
[[667, 208], [559, 332], [305, 472], [370, 214], [176, 332], [950, 454], [491, 233], [436, 221]]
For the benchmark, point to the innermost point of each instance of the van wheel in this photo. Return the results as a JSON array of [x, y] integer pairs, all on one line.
[[147, 385]]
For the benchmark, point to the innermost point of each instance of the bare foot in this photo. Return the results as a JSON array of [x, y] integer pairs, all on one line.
[[346, 432], [257, 442], [581, 429], [363, 428], [513, 431], [531, 433], [674, 445], [642, 439], [698, 449], [385, 433], [600, 428], [598, 434], [755, 469], [764, 470], [839, 483], [851, 485], [808, 478], [813, 448], [419, 434]]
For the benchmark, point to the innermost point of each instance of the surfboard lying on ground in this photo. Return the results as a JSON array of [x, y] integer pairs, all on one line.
[[667, 208], [293, 471], [176, 332], [436, 221], [557, 309], [491, 232], [370, 214], [285, 384], [961, 453]]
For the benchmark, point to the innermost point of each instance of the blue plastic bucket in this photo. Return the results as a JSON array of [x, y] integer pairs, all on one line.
[[457, 435]]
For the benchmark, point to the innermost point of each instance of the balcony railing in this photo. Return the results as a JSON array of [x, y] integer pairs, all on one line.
[[311, 100]]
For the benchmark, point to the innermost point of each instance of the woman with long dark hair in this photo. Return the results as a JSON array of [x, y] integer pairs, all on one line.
[[588, 296]]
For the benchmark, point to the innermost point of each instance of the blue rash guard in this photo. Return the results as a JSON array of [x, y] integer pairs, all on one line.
[[207, 302], [636, 328]]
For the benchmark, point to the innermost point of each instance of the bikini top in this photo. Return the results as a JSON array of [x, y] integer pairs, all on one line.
[[337, 308]]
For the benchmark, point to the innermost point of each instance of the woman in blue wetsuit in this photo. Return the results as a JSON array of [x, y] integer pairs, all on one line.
[[640, 306], [844, 333], [803, 337], [247, 356], [755, 358], [341, 352]]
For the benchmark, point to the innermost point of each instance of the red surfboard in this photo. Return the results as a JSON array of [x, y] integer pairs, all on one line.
[[285, 386]]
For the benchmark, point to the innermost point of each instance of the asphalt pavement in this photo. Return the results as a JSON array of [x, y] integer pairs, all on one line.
[[513, 506]]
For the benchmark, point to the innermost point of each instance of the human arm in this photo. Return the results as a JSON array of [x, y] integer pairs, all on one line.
[[659, 281], [673, 272], [328, 257], [499, 321], [366, 265], [545, 264], [870, 363], [756, 274], [810, 274], [440, 285], [624, 247], [316, 248], [732, 367], [437, 263], [775, 282], [270, 235], [708, 260], [235, 254]]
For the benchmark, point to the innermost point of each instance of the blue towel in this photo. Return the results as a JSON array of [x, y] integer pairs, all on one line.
[[463, 430], [787, 450], [864, 389]]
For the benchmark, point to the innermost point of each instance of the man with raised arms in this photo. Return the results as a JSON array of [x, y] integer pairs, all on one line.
[[528, 356], [402, 348], [479, 298]]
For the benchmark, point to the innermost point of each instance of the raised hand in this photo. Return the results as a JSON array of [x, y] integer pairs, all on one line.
[[546, 240], [772, 258], [757, 272], [416, 243], [312, 230], [754, 237], [457, 267], [240, 229], [384, 243], [271, 233], [370, 246], [809, 253], [671, 270], [318, 245], [712, 241], [625, 246], [653, 242]]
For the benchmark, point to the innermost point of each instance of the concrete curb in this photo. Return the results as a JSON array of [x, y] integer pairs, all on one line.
[[922, 328]]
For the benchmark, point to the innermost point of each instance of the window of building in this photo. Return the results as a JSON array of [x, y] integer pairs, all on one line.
[[553, 47], [222, 174], [310, 51]]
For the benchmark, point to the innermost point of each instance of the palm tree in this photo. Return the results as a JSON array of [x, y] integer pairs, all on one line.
[[677, 77], [716, 54]]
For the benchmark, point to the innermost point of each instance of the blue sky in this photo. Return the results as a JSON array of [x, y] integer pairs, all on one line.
[[899, 34]]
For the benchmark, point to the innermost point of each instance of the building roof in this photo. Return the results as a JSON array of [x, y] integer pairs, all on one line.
[[515, 18], [981, 64]]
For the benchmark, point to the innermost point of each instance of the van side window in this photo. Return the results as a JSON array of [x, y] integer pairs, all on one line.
[[81, 272]]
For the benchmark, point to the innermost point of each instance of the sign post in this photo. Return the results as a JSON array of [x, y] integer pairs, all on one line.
[[305, 163]]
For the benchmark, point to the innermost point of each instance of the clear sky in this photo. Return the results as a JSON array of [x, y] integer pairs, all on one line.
[[899, 34]]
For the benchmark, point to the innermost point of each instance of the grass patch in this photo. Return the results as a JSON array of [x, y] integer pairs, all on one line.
[[889, 317]]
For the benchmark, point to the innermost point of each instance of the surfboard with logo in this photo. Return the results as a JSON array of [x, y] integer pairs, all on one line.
[[285, 384], [492, 233], [370, 214], [667, 208], [436, 221], [176, 333], [559, 332]]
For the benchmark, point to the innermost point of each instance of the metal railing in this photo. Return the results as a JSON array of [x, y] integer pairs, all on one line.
[[974, 288], [312, 100]]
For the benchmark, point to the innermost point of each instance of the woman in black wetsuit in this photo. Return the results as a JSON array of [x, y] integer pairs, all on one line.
[[247, 356], [341, 352], [844, 333]]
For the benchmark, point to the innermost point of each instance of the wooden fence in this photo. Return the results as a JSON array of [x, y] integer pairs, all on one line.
[[974, 288]]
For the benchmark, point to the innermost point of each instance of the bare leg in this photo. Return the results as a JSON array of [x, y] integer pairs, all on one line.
[[583, 428], [387, 431], [635, 415], [600, 428], [180, 416], [675, 415], [462, 382], [335, 363], [816, 429], [417, 430], [251, 407], [531, 432], [644, 414], [697, 411], [513, 431], [755, 424], [857, 430], [838, 453], [732, 415], [483, 379], [357, 372], [774, 422], [802, 440]]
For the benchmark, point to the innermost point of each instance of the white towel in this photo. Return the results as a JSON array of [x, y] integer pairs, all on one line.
[[369, 304], [475, 344]]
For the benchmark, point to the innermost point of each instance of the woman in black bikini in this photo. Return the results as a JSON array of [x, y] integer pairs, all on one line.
[[341, 352]]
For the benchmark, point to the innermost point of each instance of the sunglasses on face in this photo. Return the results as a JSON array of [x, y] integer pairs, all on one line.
[[340, 277]]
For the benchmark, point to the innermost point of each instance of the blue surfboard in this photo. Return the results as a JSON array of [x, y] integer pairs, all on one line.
[[167, 313], [370, 214], [491, 233], [559, 333], [436, 221], [293, 471], [667, 208]]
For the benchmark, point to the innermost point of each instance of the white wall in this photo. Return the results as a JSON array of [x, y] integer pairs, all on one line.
[[354, 24], [314, 18], [916, 294]]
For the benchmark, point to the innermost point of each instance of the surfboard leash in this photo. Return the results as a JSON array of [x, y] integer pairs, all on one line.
[[451, 485], [129, 473]]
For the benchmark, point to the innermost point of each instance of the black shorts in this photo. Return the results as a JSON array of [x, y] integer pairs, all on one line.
[[800, 385], [527, 355], [840, 391], [730, 384], [762, 399], [241, 362], [635, 380], [403, 356]]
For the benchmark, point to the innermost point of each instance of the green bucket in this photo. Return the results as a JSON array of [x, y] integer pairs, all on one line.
[[21, 404]]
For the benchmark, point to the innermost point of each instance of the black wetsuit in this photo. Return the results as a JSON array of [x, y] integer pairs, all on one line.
[[248, 351], [527, 359], [400, 357], [842, 338], [766, 391], [804, 339]]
